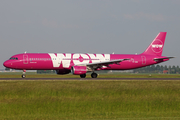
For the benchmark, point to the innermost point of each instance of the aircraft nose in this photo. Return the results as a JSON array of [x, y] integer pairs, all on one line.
[[7, 64]]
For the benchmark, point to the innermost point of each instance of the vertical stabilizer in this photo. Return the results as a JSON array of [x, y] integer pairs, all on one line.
[[156, 47]]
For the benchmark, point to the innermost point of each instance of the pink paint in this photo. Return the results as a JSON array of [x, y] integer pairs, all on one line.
[[156, 47], [78, 70], [80, 63]]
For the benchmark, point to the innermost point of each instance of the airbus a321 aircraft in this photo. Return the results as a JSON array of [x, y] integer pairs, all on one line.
[[80, 64]]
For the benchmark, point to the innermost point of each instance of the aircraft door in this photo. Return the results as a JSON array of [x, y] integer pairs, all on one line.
[[143, 60], [25, 59]]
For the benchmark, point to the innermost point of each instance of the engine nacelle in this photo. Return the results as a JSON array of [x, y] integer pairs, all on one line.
[[63, 71], [78, 70]]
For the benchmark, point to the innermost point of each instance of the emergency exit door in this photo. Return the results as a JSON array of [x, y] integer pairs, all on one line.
[[25, 59]]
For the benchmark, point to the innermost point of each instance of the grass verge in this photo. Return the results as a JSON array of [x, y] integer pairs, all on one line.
[[90, 100]]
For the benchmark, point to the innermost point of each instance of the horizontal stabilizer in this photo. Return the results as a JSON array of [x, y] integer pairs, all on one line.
[[157, 59]]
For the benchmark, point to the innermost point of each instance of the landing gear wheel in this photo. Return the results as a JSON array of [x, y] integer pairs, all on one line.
[[94, 75], [23, 76], [83, 75]]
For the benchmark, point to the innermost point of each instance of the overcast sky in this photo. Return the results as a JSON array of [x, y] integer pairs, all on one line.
[[88, 26]]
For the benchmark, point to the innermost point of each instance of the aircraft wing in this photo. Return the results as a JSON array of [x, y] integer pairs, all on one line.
[[105, 63]]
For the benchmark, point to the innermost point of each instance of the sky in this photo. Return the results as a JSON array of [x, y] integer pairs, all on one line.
[[88, 26]]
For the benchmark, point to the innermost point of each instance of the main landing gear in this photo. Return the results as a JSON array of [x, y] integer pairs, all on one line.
[[93, 75], [24, 74], [83, 75]]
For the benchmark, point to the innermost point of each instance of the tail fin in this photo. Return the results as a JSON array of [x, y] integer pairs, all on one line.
[[156, 47]]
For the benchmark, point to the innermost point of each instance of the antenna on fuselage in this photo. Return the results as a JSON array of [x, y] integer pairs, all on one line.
[[25, 52]]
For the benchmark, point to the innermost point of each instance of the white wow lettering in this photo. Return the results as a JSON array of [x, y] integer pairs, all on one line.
[[80, 58], [57, 59], [157, 46], [65, 59]]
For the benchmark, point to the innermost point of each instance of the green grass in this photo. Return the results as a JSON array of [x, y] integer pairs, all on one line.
[[83, 99]]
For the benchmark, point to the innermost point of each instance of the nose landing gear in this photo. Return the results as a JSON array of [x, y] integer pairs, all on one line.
[[24, 74]]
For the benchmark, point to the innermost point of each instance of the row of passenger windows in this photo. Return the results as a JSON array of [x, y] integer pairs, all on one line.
[[63, 59], [40, 59], [15, 58]]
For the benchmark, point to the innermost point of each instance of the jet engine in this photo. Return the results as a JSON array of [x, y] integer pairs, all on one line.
[[63, 71], [78, 70]]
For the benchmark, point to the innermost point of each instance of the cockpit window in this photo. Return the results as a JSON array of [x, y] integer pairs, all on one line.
[[13, 58]]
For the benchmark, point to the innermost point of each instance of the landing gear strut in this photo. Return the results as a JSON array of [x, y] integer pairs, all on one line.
[[83, 75], [94, 75], [24, 74]]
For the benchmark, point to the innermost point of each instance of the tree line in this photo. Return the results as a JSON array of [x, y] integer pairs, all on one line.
[[159, 69]]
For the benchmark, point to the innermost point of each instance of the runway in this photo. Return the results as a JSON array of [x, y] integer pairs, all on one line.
[[1, 79]]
